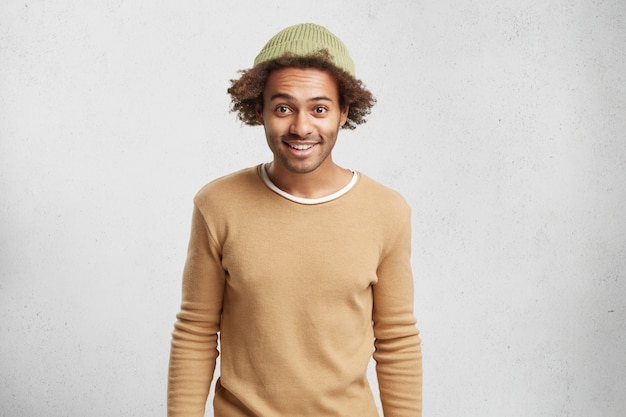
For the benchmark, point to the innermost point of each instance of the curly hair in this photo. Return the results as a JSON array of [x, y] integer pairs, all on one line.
[[247, 91]]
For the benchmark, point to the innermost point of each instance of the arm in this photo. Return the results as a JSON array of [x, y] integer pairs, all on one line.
[[194, 340], [398, 352]]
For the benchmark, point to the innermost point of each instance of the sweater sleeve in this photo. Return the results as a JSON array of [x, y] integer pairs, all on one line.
[[398, 352], [194, 339]]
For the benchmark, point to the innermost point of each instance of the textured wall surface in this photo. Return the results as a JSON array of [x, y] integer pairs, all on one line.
[[502, 122]]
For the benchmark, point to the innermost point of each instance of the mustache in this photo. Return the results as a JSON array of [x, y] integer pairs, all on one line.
[[293, 137]]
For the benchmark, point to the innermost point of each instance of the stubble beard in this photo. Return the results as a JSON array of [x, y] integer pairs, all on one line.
[[306, 166]]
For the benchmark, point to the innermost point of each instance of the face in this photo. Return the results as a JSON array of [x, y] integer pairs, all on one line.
[[302, 116]]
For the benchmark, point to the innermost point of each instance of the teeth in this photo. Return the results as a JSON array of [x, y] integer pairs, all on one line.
[[300, 147]]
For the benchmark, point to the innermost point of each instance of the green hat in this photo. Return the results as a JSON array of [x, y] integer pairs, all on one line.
[[304, 40]]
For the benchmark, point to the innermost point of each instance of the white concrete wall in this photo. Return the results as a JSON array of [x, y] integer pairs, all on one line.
[[502, 122]]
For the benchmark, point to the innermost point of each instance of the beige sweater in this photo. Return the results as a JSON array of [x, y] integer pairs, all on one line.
[[301, 295]]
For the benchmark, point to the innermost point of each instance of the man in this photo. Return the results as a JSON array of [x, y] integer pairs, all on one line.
[[301, 266]]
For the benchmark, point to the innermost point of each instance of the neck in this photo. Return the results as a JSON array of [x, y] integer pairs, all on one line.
[[327, 179]]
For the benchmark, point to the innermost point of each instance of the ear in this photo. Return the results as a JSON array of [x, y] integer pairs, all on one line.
[[259, 114], [344, 115]]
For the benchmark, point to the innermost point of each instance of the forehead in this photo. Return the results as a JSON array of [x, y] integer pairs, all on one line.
[[301, 84]]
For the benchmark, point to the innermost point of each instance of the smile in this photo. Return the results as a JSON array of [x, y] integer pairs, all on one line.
[[300, 146]]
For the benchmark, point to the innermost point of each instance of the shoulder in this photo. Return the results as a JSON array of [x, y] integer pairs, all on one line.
[[384, 210], [229, 187], [382, 197]]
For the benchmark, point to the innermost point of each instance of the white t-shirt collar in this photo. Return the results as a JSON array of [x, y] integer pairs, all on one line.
[[302, 200]]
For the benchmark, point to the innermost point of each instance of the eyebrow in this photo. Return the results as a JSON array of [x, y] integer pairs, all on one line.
[[290, 97]]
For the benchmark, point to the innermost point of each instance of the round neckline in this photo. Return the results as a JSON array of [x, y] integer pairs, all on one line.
[[302, 200]]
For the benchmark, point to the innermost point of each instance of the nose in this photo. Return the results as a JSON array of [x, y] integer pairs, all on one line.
[[301, 125]]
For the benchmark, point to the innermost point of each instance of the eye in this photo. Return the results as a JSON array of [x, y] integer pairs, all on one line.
[[283, 109], [320, 110]]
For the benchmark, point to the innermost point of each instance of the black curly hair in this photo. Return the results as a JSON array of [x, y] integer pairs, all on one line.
[[247, 91]]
